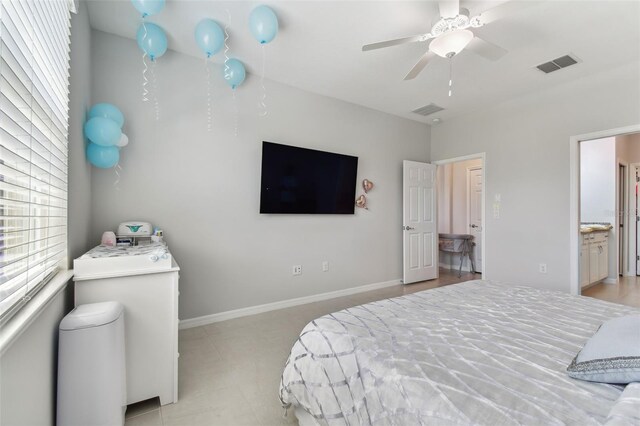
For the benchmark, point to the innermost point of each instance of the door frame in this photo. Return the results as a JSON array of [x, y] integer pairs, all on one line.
[[482, 156], [468, 177], [632, 231], [574, 197], [622, 217]]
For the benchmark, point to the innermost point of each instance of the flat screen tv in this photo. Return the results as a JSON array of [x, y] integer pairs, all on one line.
[[305, 181]]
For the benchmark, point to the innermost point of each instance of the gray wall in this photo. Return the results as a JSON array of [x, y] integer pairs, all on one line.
[[526, 142], [203, 187], [79, 213], [28, 367]]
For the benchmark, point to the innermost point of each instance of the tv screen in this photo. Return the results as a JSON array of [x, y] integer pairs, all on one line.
[[305, 181]]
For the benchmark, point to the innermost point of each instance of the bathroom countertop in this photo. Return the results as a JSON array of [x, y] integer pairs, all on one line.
[[588, 229]]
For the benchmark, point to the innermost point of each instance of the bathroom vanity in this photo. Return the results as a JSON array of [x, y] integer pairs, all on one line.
[[594, 256]]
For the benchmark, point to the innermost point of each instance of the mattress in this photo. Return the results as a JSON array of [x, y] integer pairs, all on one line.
[[479, 352]]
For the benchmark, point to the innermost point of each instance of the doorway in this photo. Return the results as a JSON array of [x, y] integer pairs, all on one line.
[[604, 213], [474, 196], [461, 208]]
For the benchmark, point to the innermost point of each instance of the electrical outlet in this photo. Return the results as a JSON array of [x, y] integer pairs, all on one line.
[[297, 269], [543, 268], [325, 266]]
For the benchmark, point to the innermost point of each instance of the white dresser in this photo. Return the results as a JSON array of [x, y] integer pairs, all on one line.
[[145, 281]]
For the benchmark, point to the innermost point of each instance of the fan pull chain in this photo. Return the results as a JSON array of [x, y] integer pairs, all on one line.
[[450, 76]]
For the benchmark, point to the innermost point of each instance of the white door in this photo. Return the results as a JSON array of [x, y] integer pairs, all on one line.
[[637, 217], [622, 217], [474, 212], [420, 234]]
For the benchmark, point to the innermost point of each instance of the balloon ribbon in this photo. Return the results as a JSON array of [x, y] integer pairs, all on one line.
[[263, 97], [117, 170], [154, 87], [208, 69], [145, 81], [226, 44], [235, 113]]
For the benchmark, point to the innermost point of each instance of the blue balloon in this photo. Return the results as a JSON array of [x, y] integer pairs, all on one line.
[[148, 7], [152, 40], [209, 36], [263, 23], [234, 72], [103, 157], [109, 111], [102, 131]]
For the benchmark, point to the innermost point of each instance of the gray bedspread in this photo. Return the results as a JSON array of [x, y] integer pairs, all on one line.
[[473, 353]]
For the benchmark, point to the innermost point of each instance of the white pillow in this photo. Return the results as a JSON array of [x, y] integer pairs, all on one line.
[[612, 355]]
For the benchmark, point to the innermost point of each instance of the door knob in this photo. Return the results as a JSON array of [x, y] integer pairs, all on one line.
[[473, 225], [408, 228]]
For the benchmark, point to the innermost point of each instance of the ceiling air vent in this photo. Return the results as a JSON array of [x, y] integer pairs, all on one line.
[[428, 109], [558, 63]]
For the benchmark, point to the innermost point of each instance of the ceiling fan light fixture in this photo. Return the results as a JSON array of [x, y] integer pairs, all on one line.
[[450, 44]]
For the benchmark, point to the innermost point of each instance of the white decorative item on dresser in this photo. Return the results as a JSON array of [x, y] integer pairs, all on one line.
[[145, 280]]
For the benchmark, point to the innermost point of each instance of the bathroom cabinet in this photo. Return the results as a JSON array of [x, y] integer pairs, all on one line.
[[594, 257]]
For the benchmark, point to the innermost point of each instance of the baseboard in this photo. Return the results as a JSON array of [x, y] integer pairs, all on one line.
[[610, 281], [258, 309]]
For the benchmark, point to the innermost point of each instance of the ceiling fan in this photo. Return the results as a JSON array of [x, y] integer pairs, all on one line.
[[451, 34]]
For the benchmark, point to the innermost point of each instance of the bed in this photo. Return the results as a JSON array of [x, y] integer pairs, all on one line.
[[479, 352]]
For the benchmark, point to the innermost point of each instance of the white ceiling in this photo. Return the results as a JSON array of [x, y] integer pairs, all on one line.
[[319, 45]]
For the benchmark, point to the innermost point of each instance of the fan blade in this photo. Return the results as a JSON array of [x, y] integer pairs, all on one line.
[[417, 68], [389, 43], [449, 8], [504, 10], [485, 49]]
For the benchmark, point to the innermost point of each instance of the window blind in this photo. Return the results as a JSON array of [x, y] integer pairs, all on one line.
[[34, 109]]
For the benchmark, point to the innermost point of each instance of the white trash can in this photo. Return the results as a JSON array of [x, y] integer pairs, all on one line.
[[91, 366]]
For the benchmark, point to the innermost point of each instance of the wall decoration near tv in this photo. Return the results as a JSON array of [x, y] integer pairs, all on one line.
[[305, 181]]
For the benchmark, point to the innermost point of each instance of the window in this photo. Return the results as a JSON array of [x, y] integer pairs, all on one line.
[[34, 108]]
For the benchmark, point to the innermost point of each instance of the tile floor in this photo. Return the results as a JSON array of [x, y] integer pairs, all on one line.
[[230, 371], [626, 292]]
